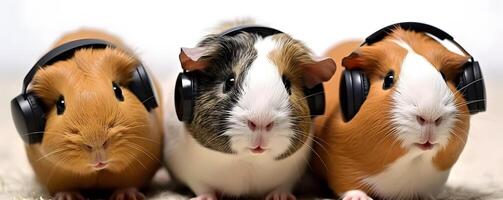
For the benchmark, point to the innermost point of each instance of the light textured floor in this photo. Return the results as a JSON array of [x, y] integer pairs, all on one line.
[[477, 175]]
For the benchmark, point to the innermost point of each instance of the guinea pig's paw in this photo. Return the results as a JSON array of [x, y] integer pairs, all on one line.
[[276, 195], [127, 194], [355, 195], [208, 196], [68, 195]]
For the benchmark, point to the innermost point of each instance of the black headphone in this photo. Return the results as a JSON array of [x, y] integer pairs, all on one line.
[[28, 110], [355, 86], [186, 83]]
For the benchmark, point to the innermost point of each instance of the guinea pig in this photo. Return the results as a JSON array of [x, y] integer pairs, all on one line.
[[251, 132], [409, 131], [98, 134]]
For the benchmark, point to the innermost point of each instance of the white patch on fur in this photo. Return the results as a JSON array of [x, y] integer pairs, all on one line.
[[420, 90], [263, 99], [412, 174]]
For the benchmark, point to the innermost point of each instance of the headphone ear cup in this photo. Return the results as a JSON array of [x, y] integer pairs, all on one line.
[[185, 94], [141, 86], [315, 99], [354, 88], [29, 117], [472, 86]]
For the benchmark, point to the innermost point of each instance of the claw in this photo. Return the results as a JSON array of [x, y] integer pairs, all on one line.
[[127, 194], [355, 195], [280, 196], [68, 195], [205, 197]]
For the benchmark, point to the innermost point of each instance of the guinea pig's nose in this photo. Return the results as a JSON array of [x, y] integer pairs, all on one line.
[[425, 120], [255, 125]]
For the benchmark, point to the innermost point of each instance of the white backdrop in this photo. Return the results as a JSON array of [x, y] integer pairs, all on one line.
[[157, 29]]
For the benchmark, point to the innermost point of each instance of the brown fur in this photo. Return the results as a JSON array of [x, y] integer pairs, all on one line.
[[92, 116], [364, 146], [289, 58]]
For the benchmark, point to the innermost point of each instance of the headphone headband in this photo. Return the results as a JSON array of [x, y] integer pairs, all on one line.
[[259, 30], [417, 27], [62, 52], [414, 26]]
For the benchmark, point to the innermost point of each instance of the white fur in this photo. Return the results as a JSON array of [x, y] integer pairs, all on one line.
[[206, 171], [413, 173], [420, 90]]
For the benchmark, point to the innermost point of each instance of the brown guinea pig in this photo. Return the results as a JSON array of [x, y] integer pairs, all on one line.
[[409, 131], [98, 134]]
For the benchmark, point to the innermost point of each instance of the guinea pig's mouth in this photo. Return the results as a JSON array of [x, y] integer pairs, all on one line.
[[257, 150], [426, 145], [100, 165]]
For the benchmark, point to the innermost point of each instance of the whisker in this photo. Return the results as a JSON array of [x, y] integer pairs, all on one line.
[[469, 102], [143, 138], [305, 97], [312, 150], [315, 139], [38, 132], [134, 157], [143, 150], [147, 99], [458, 137], [389, 150], [308, 116], [51, 153], [388, 135], [54, 167], [471, 83]]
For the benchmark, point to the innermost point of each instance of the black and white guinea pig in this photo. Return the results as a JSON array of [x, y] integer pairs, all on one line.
[[251, 130]]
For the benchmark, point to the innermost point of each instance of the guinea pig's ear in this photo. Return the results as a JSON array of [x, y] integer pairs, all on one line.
[[365, 58], [452, 63], [318, 71], [191, 58], [354, 60]]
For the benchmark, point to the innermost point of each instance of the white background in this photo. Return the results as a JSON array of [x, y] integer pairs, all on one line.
[[157, 29]]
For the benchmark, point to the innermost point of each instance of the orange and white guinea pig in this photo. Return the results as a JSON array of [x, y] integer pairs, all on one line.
[[409, 131], [98, 134]]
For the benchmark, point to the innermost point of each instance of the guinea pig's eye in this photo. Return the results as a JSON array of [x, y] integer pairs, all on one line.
[[229, 83], [60, 105], [117, 91], [287, 84], [388, 80]]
